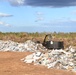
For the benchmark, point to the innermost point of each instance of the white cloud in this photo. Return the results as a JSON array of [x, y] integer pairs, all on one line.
[[39, 13], [1, 23], [16, 2], [74, 12], [5, 15], [5, 24], [39, 16]]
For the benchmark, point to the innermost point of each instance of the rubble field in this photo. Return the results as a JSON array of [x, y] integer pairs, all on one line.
[[10, 64], [37, 56]]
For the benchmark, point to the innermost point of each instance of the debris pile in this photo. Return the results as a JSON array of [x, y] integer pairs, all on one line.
[[59, 59], [21, 47]]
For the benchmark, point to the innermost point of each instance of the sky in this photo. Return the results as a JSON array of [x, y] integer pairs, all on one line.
[[38, 15]]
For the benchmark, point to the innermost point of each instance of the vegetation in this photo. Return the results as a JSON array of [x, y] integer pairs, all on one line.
[[68, 38]]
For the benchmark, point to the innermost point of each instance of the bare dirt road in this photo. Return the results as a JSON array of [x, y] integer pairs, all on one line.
[[10, 64]]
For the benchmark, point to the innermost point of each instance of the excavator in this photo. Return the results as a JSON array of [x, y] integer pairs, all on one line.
[[50, 44]]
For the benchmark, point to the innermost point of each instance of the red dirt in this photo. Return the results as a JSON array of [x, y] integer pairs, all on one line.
[[10, 64]]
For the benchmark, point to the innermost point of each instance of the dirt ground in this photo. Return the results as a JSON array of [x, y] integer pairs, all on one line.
[[10, 64]]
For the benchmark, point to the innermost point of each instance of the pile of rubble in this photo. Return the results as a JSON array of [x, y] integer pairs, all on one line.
[[59, 59], [21, 47]]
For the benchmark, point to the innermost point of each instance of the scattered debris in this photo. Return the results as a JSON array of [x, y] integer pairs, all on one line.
[[59, 59], [21, 47]]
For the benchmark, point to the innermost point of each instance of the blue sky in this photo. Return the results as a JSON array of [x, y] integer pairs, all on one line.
[[37, 16]]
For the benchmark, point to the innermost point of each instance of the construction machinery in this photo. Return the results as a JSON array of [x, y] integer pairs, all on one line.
[[50, 44]]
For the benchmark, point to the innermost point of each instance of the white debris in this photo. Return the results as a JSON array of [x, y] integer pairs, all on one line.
[[21, 47], [32, 57], [29, 59], [59, 59]]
